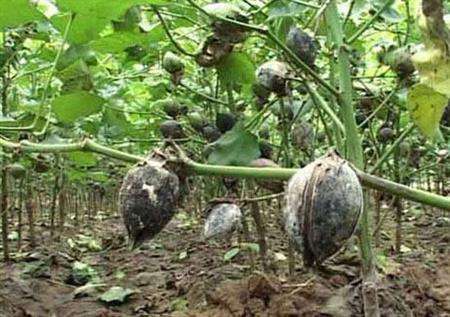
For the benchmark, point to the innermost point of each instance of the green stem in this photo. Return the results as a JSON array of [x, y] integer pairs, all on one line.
[[169, 35], [354, 153], [319, 101], [274, 38], [367, 180], [204, 96], [388, 153], [369, 23]]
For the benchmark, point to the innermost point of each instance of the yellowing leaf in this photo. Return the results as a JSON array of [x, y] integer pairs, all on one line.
[[426, 107], [434, 69]]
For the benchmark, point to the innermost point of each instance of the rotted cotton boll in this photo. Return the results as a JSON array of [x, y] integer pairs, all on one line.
[[302, 45], [213, 51], [323, 203], [16, 170], [224, 30], [303, 135], [147, 200], [211, 133], [222, 221], [273, 76], [225, 121], [171, 129]]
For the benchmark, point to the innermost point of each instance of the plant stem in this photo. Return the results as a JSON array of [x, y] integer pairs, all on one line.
[[387, 153], [368, 23], [169, 35], [354, 153], [367, 180]]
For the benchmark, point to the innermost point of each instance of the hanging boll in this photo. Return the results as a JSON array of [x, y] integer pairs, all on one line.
[[323, 203], [224, 30], [171, 129], [147, 200], [273, 77], [172, 63], [302, 45], [222, 221]]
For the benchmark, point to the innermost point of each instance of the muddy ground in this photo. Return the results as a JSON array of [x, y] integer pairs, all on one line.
[[180, 274]]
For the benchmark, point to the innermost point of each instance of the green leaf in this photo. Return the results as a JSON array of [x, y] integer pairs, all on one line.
[[231, 254], [237, 68], [118, 41], [91, 17], [426, 107], [83, 159], [70, 107], [16, 12], [116, 294], [236, 147]]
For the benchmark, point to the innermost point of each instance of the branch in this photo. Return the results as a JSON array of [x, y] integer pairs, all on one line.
[[274, 38], [367, 25], [166, 29], [195, 168]]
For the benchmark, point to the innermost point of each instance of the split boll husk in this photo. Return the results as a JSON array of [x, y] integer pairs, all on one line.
[[323, 203], [222, 221], [147, 200]]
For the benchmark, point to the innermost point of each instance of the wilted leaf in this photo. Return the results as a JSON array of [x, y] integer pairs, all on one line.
[[426, 107]]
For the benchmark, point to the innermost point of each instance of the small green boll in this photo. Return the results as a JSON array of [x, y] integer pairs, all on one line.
[[172, 63]]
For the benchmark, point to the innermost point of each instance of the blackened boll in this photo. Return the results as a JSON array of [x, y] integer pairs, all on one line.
[[224, 30], [211, 133], [225, 121], [171, 129], [147, 201], [323, 203], [16, 170], [445, 120], [264, 132], [266, 149], [172, 63], [386, 134], [302, 45], [213, 51], [197, 121], [302, 135], [171, 107]]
